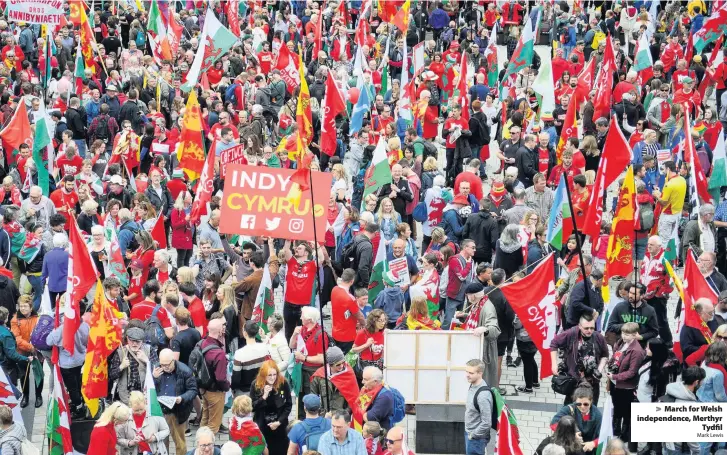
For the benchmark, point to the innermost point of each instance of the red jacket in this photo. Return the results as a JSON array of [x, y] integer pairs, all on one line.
[[103, 440], [15, 197], [181, 230], [176, 186]]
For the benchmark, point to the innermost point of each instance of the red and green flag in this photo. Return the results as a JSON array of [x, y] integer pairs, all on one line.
[[248, 436], [264, 302], [378, 173], [508, 435], [58, 423]]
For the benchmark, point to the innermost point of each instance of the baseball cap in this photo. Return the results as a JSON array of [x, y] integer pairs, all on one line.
[[312, 402], [116, 179]]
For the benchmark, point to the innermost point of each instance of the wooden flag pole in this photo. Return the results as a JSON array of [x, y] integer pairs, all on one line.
[[578, 241]]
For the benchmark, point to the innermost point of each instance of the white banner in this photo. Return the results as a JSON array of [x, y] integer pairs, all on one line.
[[35, 11], [677, 422]]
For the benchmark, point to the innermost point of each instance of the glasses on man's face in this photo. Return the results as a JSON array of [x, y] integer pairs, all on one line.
[[206, 446], [166, 365], [583, 405], [392, 441]]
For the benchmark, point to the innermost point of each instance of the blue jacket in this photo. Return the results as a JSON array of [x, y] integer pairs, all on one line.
[[92, 110], [438, 19], [126, 235], [382, 408], [391, 300], [452, 224], [55, 269], [712, 388]]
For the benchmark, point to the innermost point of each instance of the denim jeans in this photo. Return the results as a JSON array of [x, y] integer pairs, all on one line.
[[37, 283], [449, 311], [80, 147], [475, 446]]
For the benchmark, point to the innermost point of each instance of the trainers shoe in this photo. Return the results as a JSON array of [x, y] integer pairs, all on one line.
[[502, 390], [518, 361], [188, 432], [509, 361], [523, 389], [536, 385], [223, 429]]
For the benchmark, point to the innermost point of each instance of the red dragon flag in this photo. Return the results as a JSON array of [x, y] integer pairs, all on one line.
[[616, 156], [333, 104], [570, 127], [82, 275], [533, 300], [204, 188], [690, 156]]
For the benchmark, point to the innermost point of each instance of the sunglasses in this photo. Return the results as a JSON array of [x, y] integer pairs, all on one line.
[[583, 405], [392, 441]]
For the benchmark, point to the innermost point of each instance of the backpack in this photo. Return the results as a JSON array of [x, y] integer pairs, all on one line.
[[420, 212], [399, 407], [312, 437], [493, 410], [198, 365], [42, 329], [597, 38], [102, 128], [646, 217], [153, 332], [429, 148], [230, 96], [348, 255], [563, 35], [134, 244], [140, 40], [26, 447]]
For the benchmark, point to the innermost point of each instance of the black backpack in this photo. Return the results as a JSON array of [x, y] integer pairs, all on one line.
[[199, 367], [154, 332], [429, 148], [102, 128], [563, 35], [646, 217], [493, 409]]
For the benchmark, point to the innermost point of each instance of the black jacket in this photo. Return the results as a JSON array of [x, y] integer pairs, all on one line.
[[480, 131], [364, 254], [5, 252], [185, 386], [578, 304], [505, 314], [526, 162], [131, 111], [644, 315], [691, 339], [76, 121], [634, 113], [161, 204], [483, 229], [402, 197], [9, 295]]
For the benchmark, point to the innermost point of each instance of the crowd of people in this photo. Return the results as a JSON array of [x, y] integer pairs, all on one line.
[[475, 164]]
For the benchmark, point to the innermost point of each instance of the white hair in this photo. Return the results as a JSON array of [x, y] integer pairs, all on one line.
[[233, 448], [366, 216], [60, 240], [257, 109], [656, 239], [310, 313], [553, 449], [97, 229], [438, 180], [376, 374], [204, 431], [163, 255]]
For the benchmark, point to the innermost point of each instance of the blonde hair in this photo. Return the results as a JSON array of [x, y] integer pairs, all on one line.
[[419, 306], [242, 406], [117, 411], [228, 297], [186, 275], [394, 143], [179, 202], [430, 164], [136, 397]]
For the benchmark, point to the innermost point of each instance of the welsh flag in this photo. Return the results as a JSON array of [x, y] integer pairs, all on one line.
[[9, 396], [491, 56], [643, 64], [264, 303], [214, 42], [79, 72], [559, 212], [523, 55], [153, 408], [30, 248], [376, 282], [58, 423], [719, 168], [508, 434], [16, 132], [606, 433], [378, 173], [116, 267], [428, 287], [543, 86], [712, 28], [40, 145], [247, 435]]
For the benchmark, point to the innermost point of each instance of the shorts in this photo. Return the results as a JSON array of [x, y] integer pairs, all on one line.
[[501, 347]]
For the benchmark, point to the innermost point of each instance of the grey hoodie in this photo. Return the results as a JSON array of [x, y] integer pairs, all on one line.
[[11, 439], [682, 395]]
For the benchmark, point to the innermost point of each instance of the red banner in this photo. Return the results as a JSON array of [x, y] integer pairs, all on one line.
[[533, 300], [233, 155], [258, 201]]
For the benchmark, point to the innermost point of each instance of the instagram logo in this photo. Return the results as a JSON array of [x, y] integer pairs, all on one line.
[[296, 225]]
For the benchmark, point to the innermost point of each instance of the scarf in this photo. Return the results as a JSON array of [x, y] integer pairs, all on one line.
[[421, 323], [367, 397], [721, 369], [247, 435], [473, 318]]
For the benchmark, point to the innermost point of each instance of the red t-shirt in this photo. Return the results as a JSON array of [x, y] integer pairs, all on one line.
[[266, 61], [70, 167], [216, 131], [314, 342], [135, 285], [579, 161], [449, 124], [299, 282], [343, 310], [376, 350], [61, 199], [198, 315], [143, 310]]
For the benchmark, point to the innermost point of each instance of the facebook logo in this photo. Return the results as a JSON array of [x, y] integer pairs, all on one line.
[[247, 221]]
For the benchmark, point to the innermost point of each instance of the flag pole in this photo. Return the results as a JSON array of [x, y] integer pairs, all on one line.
[[319, 289], [578, 240]]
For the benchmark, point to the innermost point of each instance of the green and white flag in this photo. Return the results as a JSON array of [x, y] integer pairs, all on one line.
[[381, 267], [58, 423], [264, 302], [378, 173], [214, 42], [40, 150], [643, 60], [719, 168], [543, 86], [558, 212], [153, 408], [156, 20], [523, 55], [606, 433]]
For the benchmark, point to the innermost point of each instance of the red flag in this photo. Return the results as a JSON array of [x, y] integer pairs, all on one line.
[[689, 52], [158, 233], [586, 78], [318, 38], [716, 50], [695, 287], [204, 188], [533, 300], [363, 31], [233, 18], [174, 35], [401, 19], [616, 156], [343, 11], [82, 275], [17, 132], [690, 156], [287, 63], [464, 99], [75, 7], [604, 83], [570, 127], [334, 105]]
